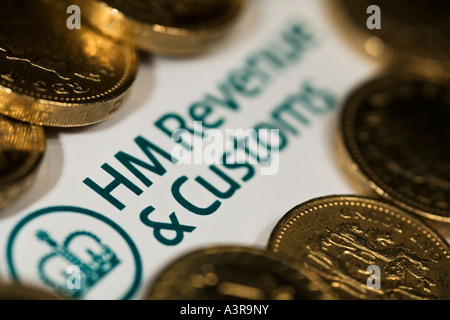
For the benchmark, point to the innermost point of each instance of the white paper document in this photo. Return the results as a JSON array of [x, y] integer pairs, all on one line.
[[112, 200]]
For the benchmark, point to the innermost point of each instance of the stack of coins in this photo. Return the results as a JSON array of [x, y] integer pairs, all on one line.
[[53, 76], [392, 143]]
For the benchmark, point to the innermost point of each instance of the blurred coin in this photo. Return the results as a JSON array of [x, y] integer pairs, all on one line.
[[410, 30], [365, 249], [53, 76], [393, 140], [22, 146], [19, 292], [236, 273], [171, 27]]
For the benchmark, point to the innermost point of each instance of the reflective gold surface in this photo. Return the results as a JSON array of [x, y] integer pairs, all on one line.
[[170, 27], [237, 273], [393, 141], [21, 149], [340, 237], [53, 76]]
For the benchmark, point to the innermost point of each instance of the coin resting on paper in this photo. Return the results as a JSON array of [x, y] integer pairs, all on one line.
[[237, 272], [182, 27], [391, 142], [340, 237], [54, 76]]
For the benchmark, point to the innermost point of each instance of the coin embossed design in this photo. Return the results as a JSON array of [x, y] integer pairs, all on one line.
[[393, 140], [53, 76], [410, 28], [340, 237], [237, 273], [170, 27], [22, 146]]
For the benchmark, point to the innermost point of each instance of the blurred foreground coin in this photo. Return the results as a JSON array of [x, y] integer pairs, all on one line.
[[236, 273], [415, 33], [21, 149]]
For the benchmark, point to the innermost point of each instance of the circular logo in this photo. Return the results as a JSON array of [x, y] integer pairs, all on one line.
[[76, 252]]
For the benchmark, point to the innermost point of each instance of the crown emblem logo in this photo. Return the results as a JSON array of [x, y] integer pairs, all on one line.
[[99, 263]]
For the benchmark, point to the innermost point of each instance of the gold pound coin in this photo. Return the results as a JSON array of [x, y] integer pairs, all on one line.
[[19, 292], [393, 141], [169, 27], [414, 33], [53, 76], [22, 146], [365, 249], [237, 273]]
